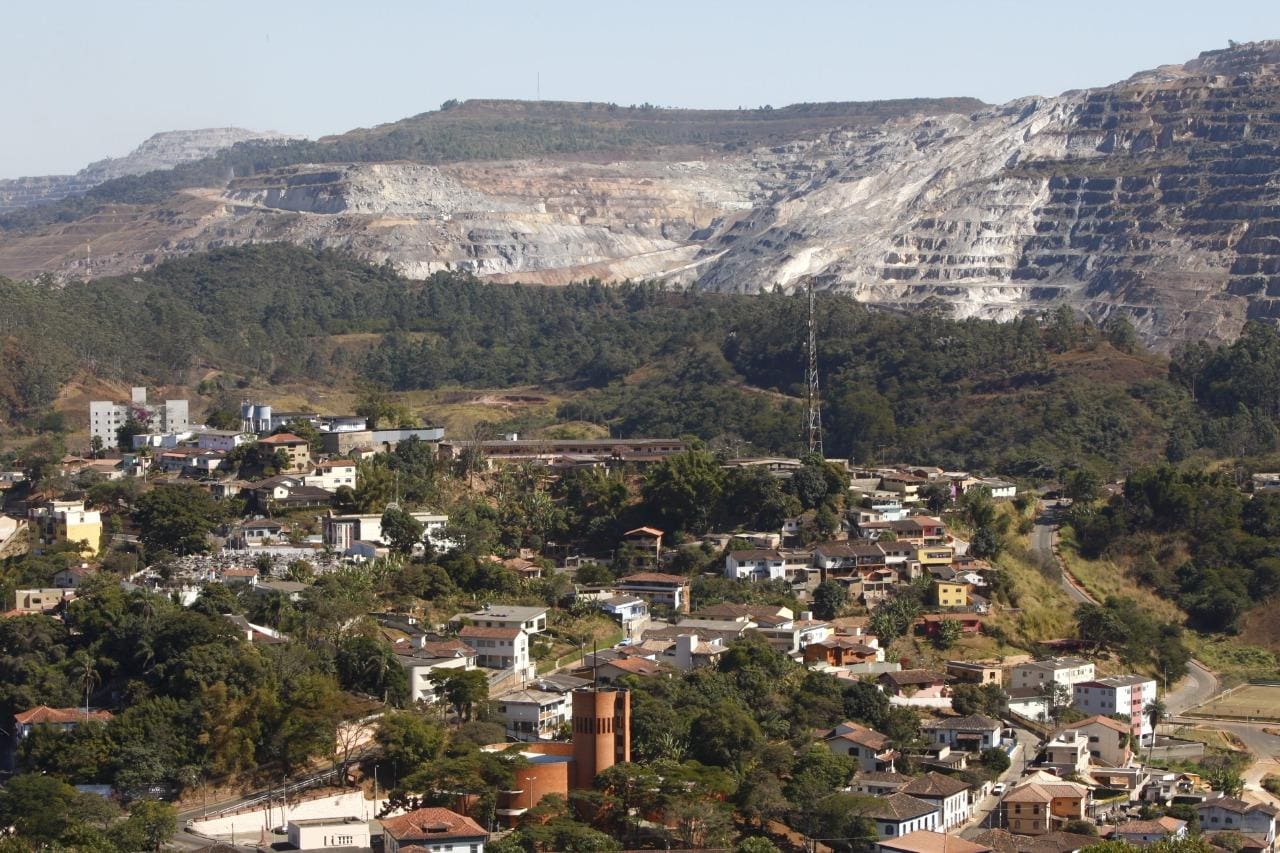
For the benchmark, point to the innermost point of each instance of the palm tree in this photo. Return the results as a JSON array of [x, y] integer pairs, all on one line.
[[88, 672], [1155, 711]]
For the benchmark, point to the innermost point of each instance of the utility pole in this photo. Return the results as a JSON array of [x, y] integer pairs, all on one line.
[[815, 404]]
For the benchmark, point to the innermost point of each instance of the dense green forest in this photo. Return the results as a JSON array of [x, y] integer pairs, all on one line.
[[495, 130], [649, 361]]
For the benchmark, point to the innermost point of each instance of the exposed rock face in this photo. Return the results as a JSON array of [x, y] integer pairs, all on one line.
[[1158, 197], [161, 151]]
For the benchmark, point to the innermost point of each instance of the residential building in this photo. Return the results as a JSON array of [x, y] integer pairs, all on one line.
[[1043, 804], [1140, 833], [658, 588], [106, 417], [913, 682], [436, 830], [1229, 813], [630, 611], [608, 672], [74, 576], [899, 814], [340, 532], [948, 793], [531, 620], [878, 783], [842, 559], [62, 719], [432, 656], [1064, 671], [925, 841], [842, 650], [41, 600], [1068, 753], [1109, 740], [369, 441], [949, 593], [973, 733], [286, 491], [754, 565], [325, 832], [975, 672], [332, 475], [296, 450], [1126, 695], [257, 531], [65, 521], [499, 648], [224, 440], [870, 749], [533, 714], [1001, 490]]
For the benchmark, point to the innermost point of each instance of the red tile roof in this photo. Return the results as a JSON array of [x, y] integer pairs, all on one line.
[[44, 715], [432, 824]]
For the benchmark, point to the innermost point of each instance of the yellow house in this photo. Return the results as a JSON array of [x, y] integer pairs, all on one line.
[[934, 555], [950, 594], [66, 521]]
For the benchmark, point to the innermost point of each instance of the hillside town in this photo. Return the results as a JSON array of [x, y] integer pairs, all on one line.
[[887, 589]]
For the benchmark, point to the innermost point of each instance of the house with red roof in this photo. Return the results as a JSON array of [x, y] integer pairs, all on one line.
[[437, 830], [63, 719]]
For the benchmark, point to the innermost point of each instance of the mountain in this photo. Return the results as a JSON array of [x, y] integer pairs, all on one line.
[[161, 151], [1156, 198]]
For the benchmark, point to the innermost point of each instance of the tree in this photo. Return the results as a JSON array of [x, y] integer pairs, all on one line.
[[126, 431], [947, 633], [401, 530], [1082, 484], [1081, 827], [829, 599], [683, 490], [756, 844], [409, 740], [150, 825], [463, 689], [38, 807], [176, 518], [1154, 711], [994, 759], [725, 735]]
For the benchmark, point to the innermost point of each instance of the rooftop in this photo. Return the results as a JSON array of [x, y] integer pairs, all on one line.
[[432, 823], [970, 723], [899, 807], [924, 841]]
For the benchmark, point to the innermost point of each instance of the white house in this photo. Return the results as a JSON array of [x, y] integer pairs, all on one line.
[[499, 648], [341, 531], [899, 814], [949, 794], [871, 750], [1064, 671], [754, 565], [630, 611], [323, 833], [1228, 813], [225, 440], [436, 830], [973, 733], [533, 714], [1126, 695], [430, 657], [332, 474], [531, 620], [1141, 833]]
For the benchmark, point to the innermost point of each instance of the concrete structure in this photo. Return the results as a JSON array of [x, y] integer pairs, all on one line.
[[1141, 833], [106, 417], [66, 521], [434, 829], [325, 833], [630, 611], [297, 450], [657, 588], [499, 648], [533, 714], [975, 672], [949, 593], [225, 440], [531, 620], [1126, 695], [601, 451], [74, 576], [332, 475], [1064, 671], [754, 566], [340, 532], [601, 732], [1068, 753], [40, 600], [1108, 740], [430, 657], [1044, 803]]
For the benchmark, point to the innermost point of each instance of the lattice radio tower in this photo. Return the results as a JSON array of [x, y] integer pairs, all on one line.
[[815, 402]]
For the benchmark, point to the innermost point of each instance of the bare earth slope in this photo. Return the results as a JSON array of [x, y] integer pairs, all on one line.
[[1158, 197]]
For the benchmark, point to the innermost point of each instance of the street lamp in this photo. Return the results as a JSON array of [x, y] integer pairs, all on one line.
[[531, 780]]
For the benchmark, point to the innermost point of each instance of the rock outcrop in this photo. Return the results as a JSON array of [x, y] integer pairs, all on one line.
[[1157, 197], [161, 151]]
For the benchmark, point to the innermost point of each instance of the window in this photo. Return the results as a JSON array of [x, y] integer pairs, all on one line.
[[889, 829]]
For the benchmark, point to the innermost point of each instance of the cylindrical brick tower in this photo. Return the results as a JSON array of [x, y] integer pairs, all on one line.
[[601, 732]]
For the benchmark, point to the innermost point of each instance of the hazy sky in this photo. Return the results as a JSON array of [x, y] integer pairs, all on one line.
[[84, 80]]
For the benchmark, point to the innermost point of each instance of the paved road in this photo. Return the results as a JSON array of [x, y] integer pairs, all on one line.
[[1043, 537], [1197, 688], [1028, 744]]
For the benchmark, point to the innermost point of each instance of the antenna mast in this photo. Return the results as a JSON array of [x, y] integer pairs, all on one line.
[[815, 403]]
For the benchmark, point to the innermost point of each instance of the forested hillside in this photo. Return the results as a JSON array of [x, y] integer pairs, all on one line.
[[1026, 398]]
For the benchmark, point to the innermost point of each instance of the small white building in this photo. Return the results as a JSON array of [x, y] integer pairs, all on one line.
[[948, 793], [431, 656], [755, 565], [531, 620], [225, 440], [324, 833], [332, 475], [533, 714], [499, 648]]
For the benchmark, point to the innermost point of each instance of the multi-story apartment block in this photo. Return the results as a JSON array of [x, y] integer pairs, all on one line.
[[106, 417]]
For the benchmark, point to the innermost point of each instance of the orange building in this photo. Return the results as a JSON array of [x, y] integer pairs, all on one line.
[[601, 726]]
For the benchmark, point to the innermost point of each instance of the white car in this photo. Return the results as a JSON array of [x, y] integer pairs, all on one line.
[[997, 789]]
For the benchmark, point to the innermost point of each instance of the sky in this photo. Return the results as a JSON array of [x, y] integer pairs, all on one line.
[[86, 80]]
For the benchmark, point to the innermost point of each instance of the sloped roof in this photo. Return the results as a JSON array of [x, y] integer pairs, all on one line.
[[971, 723], [469, 631], [925, 841], [653, 577], [933, 784], [913, 676], [42, 715], [432, 824], [1099, 720], [899, 807]]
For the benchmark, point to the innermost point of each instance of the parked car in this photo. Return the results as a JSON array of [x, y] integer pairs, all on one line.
[[998, 788]]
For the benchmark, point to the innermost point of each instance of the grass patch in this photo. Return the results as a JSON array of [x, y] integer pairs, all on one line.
[[1102, 578], [1212, 738], [1046, 613], [1233, 661], [1255, 700]]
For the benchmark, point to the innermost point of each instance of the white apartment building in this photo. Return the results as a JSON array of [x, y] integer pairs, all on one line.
[[1126, 695], [499, 648], [531, 620], [1064, 671], [106, 417], [532, 715]]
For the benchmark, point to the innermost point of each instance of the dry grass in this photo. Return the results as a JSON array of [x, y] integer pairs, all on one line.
[[1212, 738], [1102, 578], [1046, 611], [1255, 700]]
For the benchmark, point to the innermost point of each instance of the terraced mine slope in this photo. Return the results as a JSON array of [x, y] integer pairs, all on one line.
[[1158, 197]]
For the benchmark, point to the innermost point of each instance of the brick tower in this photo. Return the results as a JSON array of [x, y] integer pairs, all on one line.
[[601, 731]]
